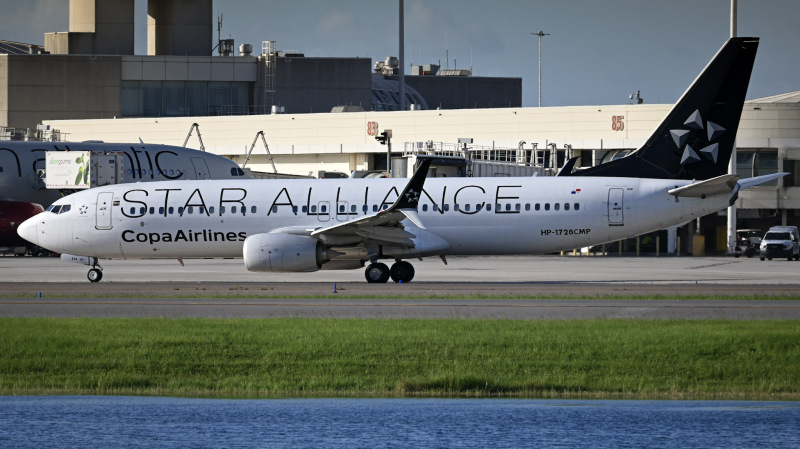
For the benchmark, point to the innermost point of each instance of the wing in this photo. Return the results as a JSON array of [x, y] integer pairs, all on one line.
[[383, 227]]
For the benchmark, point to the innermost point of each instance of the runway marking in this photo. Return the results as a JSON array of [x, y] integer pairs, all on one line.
[[276, 304]]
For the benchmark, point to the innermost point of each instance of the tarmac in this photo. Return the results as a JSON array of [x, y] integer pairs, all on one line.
[[467, 287]]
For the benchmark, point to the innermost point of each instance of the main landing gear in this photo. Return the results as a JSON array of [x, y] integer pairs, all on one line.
[[379, 273]]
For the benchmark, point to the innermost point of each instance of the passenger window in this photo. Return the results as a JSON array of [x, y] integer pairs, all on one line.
[[527, 206], [466, 207], [556, 206], [323, 208], [233, 209], [374, 208], [577, 206], [180, 211], [365, 208], [304, 209], [477, 208], [190, 210], [353, 208], [566, 206], [436, 208], [537, 206], [253, 209], [221, 210], [517, 207], [152, 210], [211, 210], [488, 207], [446, 207], [171, 210], [274, 209], [294, 209], [160, 211], [455, 207], [508, 207], [424, 208], [313, 209], [341, 208], [546, 206]]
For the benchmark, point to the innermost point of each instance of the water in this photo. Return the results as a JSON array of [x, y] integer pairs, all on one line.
[[147, 422]]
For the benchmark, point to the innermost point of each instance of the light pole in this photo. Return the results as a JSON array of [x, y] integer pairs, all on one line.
[[540, 33]]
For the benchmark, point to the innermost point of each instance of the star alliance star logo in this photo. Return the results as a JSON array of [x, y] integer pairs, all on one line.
[[695, 124], [83, 209], [412, 196]]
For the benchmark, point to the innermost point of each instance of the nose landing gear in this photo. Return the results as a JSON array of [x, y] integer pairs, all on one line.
[[95, 273]]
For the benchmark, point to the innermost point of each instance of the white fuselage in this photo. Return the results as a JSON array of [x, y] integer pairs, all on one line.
[[475, 216]]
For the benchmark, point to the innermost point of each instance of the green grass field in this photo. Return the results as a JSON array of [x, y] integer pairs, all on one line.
[[327, 357]]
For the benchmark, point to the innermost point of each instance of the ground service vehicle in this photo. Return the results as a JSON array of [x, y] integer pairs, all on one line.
[[781, 241], [747, 242]]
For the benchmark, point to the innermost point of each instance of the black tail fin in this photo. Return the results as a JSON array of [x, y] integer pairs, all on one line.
[[696, 139]]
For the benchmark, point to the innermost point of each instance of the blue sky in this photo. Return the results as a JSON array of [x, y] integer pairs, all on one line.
[[599, 52]]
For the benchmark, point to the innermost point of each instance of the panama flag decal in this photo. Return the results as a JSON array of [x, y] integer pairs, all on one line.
[[576, 191]]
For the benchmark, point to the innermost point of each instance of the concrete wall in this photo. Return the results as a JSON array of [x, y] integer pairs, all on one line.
[[4, 90], [104, 27], [305, 85], [467, 92], [189, 68], [40, 87], [180, 27]]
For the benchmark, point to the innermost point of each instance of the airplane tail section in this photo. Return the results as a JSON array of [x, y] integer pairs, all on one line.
[[696, 138]]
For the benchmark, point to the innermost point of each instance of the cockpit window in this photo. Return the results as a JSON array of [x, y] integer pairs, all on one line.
[[59, 208], [236, 171]]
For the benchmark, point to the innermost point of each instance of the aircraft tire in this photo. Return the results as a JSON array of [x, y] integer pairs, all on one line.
[[377, 273], [402, 272], [94, 275]]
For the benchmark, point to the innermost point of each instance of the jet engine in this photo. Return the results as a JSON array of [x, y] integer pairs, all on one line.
[[279, 252]]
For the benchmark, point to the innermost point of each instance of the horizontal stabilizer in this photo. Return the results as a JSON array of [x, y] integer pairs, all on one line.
[[715, 186], [751, 182]]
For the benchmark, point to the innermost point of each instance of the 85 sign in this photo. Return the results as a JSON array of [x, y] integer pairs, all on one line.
[[617, 123]]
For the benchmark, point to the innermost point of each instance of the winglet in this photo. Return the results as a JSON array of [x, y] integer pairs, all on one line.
[[409, 197]]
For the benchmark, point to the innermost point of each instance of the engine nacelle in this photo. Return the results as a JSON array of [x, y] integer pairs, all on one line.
[[279, 252]]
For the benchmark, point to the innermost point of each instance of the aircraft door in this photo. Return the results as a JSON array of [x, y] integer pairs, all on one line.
[[615, 207], [200, 168], [103, 215]]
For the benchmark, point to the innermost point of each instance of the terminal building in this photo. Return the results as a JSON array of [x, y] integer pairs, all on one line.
[[88, 85]]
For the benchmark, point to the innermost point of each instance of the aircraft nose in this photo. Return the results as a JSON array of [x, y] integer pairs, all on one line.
[[27, 230]]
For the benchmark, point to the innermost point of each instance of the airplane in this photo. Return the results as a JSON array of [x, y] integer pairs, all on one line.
[[679, 174], [23, 192]]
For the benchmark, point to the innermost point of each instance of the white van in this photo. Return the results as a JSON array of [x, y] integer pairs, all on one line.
[[781, 241]]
